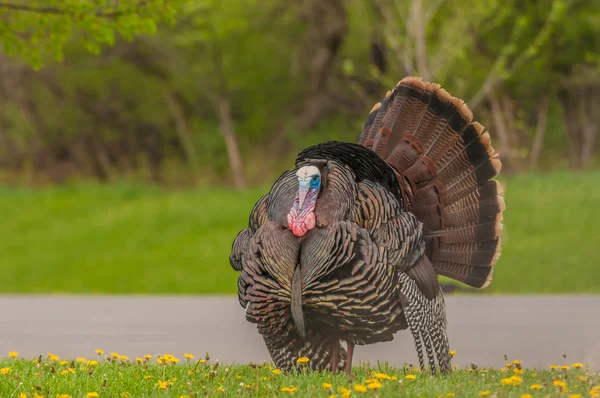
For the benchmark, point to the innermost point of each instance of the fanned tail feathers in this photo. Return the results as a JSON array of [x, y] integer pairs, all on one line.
[[444, 163]]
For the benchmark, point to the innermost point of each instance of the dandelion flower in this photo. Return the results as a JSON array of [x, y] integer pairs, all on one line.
[[574, 395], [5, 371], [374, 386], [536, 387], [202, 361], [63, 363], [147, 377], [509, 365], [189, 356], [360, 388], [13, 354], [577, 365], [553, 367], [302, 360], [148, 356], [382, 376], [163, 385], [561, 385], [484, 393], [124, 358], [92, 363], [565, 367], [394, 377], [92, 395], [139, 360], [507, 381], [220, 388], [125, 394], [526, 396], [517, 362], [276, 371], [115, 355], [327, 386], [81, 360], [22, 395], [63, 396], [99, 351], [518, 371], [289, 390], [53, 357], [516, 380], [452, 353], [344, 392], [450, 394], [410, 377]]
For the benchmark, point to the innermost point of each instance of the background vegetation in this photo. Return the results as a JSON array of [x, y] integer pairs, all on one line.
[[128, 128]]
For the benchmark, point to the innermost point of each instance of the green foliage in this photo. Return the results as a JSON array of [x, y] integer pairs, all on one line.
[[143, 239], [124, 377], [38, 30]]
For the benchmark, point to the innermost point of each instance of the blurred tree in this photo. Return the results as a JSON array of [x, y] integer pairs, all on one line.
[[39, 29]]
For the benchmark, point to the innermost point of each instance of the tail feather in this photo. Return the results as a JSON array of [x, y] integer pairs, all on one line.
[[444, 163]]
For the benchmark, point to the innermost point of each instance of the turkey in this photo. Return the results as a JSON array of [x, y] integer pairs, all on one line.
[[347, 246]]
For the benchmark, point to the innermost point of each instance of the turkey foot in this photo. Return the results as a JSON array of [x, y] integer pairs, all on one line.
[[335, 357], [349, 357]]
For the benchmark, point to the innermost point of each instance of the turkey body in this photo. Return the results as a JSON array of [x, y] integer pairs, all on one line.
[[411, 200]]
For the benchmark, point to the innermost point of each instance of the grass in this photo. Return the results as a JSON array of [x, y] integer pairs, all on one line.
[[124, 238], [167, 376]]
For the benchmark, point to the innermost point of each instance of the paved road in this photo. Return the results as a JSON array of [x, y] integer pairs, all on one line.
[[536, 329]]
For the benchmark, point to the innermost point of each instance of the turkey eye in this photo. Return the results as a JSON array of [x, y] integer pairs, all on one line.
[[314, 178]]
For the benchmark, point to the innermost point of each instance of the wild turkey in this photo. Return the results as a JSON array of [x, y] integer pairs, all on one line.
[[346, 246]]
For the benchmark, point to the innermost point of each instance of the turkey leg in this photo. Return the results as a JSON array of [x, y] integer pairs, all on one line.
[[335, 357], [349, 357]]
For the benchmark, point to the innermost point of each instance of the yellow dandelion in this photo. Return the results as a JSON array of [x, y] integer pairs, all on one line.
[[382, 376], [63, 396], [327, 386], [22, 395], [115, 355], [374, 386], [517, 362], [302, 360], [276, 371], [553, 367], [577, 365], [91, 362], [560, 384], [516, 380], [344, 392], [536, 386], [80, 360], [484, 393], [370, 381], [518, 371], [5, 371], [360, 388], [509, 365], [139, 360], [526, 396], [565, 367], [574, 395], [99, 351], [125, 394], [63, 363], [450, 394], [13, 354], [410, 377], [36, 395], [148, 356], [64, 372], [452, 353], [220, 388], [124, 358], [147, 377], [289, 390], [92, 395], [163, 385], [184, 396], [53, 357], [506, 382], [189, 356], [201, 361], [394, 377]]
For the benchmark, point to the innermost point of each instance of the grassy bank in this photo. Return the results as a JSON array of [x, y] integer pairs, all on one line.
[[119, 376], [144, 239]]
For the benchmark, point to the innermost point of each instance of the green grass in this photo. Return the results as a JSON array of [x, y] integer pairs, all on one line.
[[191, 378], [144, 239]]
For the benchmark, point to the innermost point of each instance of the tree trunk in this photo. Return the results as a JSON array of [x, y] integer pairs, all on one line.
[[181, 128], [590, 124], [231, 141], [501, 127], [418, 33], [540, 131]]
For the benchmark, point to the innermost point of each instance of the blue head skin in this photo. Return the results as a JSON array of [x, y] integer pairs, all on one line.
[[301, 218]]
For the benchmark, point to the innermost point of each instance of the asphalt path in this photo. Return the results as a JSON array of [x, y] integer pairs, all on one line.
[[538, 330]]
